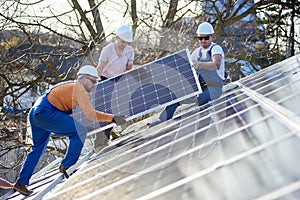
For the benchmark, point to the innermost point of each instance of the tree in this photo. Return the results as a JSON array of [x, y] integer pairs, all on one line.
[[278, 26], [35, 54], [42, 45]]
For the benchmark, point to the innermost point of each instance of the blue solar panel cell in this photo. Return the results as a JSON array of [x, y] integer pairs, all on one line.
[[145, 88]]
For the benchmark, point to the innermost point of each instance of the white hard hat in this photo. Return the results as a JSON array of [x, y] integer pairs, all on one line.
[[125, 33], [205, 28], [88, 70]]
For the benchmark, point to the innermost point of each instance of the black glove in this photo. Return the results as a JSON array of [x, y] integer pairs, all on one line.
[[119, 119]]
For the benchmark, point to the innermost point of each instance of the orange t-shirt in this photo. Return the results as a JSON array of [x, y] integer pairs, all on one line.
[[69, 95]]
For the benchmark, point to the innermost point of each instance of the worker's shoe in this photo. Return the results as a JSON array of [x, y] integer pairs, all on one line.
[[115, 135], [22, 189], [63, 170], [168, 113]]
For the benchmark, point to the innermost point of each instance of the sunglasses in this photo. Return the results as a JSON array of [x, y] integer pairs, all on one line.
[[205, 38], [92, 80]]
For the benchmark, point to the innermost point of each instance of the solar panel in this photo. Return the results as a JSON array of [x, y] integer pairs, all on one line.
[[144, 89]]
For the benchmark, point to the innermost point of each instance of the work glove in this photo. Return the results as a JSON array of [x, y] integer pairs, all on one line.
[[119, 119]]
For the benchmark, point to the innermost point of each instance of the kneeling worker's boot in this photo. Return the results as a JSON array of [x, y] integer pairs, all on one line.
[[22, 189], [63, 170]]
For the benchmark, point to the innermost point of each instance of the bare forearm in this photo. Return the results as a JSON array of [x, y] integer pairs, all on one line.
[[206, 65], [100, 68], [213, 65]]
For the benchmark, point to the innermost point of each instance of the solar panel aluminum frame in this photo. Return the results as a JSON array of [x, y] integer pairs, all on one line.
[[150, 73]]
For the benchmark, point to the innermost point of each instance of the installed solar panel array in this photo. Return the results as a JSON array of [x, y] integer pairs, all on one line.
[[144, 89], [245, 145]]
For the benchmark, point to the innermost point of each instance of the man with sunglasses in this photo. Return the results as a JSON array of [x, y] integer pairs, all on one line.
[[51, 114], [208, 59]]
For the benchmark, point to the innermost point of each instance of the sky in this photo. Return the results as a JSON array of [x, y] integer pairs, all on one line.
[[111, 12], [111, 17]]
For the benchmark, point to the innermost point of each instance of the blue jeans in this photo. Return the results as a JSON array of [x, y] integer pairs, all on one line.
[[45, 119], [208, 94]]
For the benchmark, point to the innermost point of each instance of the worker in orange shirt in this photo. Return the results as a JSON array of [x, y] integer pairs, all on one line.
[[51, 114]]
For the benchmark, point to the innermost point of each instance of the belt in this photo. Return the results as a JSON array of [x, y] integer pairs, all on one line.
[[210, 84], [203, 85]]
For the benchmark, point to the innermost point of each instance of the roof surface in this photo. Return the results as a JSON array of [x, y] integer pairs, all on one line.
[[244, 145]]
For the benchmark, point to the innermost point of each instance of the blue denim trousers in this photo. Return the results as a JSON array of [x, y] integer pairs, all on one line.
[[44, 120], [208, 94]]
